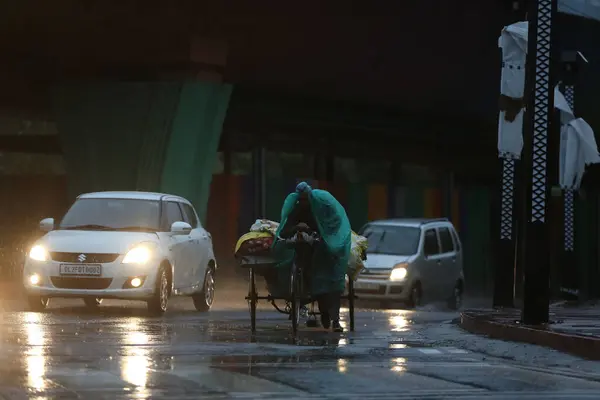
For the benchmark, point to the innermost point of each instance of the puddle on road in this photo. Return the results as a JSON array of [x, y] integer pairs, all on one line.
[[134, 345], [404, 343]]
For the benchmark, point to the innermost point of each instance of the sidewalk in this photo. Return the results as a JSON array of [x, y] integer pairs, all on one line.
[[574, 330]]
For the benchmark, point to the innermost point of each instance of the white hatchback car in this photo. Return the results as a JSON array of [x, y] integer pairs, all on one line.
[[123, 245]]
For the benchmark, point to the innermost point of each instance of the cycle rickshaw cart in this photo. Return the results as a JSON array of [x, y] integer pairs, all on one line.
[[297, 296]]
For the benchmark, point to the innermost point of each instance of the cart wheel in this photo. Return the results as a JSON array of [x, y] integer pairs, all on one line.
[[351, 303], [252, 302], [295, 296]]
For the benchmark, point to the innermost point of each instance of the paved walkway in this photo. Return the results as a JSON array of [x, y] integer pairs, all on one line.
[[574, 329]]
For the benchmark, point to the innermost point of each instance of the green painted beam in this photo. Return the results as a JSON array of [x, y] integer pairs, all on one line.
[[150, 136]]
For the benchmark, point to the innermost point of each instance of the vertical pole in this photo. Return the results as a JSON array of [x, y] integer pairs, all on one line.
[[506, 244], [540, 108], [260, 182], [505, 252], [569, 281]]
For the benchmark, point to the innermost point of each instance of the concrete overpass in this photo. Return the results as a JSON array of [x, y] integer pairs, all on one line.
[[432, 58]]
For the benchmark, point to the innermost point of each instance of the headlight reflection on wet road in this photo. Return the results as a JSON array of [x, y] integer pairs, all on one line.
[[34, 356], [344, 317], [398, 364], [342, 365], [398, 321], [135, 364]]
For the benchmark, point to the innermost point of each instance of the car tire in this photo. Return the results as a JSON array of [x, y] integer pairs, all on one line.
[[159, 302], [416, 295], [92, 302], [204, 300], [37, 303], [455, 301]]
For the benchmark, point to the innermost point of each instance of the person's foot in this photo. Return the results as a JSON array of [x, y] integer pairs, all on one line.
[[325, 320], [336, 327]]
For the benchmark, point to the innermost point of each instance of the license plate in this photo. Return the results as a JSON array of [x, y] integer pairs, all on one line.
[[369, 286], [80, 269]]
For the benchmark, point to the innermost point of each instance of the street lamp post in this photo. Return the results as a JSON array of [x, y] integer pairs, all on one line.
[[539, 111], [510, 128], [571, 61]]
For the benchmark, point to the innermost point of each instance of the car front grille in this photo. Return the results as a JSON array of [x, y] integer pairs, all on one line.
[[396, 289], [80, 283], [371, 273], [381, 290], [90, 258]]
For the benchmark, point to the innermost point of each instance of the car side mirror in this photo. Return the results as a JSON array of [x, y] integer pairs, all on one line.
[[47, 224], [181, 228]]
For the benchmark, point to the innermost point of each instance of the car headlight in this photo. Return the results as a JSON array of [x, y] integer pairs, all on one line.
[[399, 272], [140, 254], [38, 253]]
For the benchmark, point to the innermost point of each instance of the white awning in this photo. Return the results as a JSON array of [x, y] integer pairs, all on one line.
[[578, 149], [582, 8]]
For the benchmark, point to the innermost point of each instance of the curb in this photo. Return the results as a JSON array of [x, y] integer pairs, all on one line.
[[581, 346]]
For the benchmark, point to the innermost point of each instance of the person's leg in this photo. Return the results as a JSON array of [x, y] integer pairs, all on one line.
[[324, 309], [335, 303]]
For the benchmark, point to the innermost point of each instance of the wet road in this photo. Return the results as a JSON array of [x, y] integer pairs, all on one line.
[[120, 353]]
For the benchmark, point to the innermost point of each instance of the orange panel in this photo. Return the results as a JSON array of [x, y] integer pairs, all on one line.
[[378, 202], [433, 203]]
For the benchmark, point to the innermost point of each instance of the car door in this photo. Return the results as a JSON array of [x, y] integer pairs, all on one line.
[[459, 254], [431, 264], [449, 273], [458, 249], [177, 244], [199, 246]]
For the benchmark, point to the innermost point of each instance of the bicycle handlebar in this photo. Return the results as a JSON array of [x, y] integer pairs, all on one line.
[[306, 238]]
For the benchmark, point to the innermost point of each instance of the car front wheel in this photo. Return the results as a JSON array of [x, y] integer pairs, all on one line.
[[416, 295], [204, 300], [157, 305], [455, 301]]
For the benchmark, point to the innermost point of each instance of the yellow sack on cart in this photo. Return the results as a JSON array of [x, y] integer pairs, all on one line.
[[358, 250], [250, 236]]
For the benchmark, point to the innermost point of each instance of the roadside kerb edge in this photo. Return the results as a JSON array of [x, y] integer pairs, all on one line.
[[581, 346]]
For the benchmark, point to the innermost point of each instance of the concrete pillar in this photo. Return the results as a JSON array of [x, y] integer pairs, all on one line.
[[151, 136]]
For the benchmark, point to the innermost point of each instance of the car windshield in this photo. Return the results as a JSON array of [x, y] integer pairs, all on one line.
[[113, 214], [393, 240]]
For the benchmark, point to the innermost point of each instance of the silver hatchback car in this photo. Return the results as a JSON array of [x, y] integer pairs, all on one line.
[[410, 260]]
